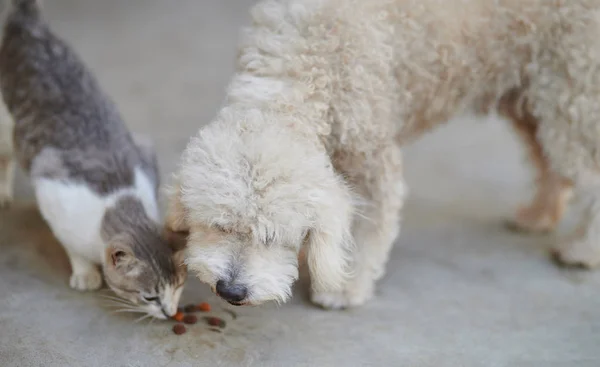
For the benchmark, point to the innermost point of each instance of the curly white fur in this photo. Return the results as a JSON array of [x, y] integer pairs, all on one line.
[[306, 149]]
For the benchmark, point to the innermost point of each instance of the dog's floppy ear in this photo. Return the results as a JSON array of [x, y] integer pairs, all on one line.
[[177, 240], [176, 229], [176, 218], [330, 247]]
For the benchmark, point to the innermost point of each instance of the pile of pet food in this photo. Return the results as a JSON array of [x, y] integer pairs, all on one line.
[[186, 315]]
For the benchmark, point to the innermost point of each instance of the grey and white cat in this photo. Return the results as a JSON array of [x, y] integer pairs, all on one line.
[[95, 184]]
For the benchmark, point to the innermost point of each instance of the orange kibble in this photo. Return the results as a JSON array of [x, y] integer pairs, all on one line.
[[178, 316], [204, 307]]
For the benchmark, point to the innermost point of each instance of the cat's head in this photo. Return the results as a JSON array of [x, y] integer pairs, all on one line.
[[146, 269]]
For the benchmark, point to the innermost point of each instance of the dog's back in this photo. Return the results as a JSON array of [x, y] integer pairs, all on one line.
[[463, 55]]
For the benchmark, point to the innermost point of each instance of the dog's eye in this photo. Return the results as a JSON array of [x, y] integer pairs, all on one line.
[[150, 299], [304, 235], [269, 237]]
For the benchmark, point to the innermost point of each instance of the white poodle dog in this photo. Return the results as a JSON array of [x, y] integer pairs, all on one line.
[[306, 152]]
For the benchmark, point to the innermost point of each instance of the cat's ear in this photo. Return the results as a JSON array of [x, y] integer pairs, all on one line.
[[119, 256]]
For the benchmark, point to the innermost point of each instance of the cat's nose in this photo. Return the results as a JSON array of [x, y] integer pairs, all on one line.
[[169, 310], [231, 292]]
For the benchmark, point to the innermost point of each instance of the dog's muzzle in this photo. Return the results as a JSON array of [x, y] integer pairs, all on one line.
[[231, 292]]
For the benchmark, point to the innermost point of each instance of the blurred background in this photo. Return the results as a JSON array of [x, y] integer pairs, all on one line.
[[460, 289]]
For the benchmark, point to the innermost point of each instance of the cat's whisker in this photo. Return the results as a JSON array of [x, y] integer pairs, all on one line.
[[142, 318], [119, 302], [108, 295], [117, 307], [113, 303], [114, 298], [132, 310], [129, 309], [116, 310], [122, 304]]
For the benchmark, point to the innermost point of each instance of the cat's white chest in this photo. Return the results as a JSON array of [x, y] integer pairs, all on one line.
[[74, 212]]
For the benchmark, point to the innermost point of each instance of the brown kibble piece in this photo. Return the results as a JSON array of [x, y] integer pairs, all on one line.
[[204, 307], [190, 319], [215, 321], [189, 308], [179, 329], [178, 316]]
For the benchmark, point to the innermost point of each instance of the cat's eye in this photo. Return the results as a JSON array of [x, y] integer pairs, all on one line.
[[150, 299]]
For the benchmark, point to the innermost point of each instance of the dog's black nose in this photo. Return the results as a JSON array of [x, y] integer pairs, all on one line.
[[232, 293]]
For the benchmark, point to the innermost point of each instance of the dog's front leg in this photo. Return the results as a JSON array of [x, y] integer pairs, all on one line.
[[377, 178], [553, 191], [583, 248]]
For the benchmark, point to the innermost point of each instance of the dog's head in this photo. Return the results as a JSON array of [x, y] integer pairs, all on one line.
[[251, 197]]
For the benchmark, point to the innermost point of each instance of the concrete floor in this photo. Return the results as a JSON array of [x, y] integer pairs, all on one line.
[[460, 289]]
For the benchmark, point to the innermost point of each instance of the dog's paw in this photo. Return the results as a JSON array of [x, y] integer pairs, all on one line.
[[343, 299], [89, 281], [532, 221], [331, 301], [583, 254]]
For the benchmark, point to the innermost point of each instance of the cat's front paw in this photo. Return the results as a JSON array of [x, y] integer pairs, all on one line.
[[89, 281]]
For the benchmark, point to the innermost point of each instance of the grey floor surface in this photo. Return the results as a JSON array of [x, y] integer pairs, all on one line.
[[460, 289]]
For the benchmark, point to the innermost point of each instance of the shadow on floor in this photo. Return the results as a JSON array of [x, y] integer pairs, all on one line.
[[28, 245]]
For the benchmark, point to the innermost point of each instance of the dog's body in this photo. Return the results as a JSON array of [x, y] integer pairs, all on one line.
[[307, 147]]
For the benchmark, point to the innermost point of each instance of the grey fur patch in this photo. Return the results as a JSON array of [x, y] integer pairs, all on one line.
[[148, 159], [65, 125], [101, 171], [128, 219]]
